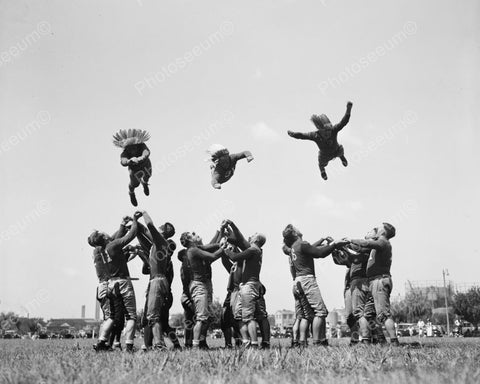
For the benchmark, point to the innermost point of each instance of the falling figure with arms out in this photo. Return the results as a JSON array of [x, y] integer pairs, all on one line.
[[223, 164], [135, 156], [326, 139]]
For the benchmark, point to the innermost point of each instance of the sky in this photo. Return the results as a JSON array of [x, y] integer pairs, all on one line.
[[239, 74]]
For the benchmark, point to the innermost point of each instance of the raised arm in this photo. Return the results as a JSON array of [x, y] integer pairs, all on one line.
[[245, 255], [301, 135], [242, 155], [157, 237], [143, 237], [242, 243], [371, 243], [226, 262], [123, 241], [322, 251], [319, 242], [123, 228], [345, 119], [317, 252], [204, 255]]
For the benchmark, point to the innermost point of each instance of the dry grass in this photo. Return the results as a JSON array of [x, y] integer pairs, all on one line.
[[72, 361]]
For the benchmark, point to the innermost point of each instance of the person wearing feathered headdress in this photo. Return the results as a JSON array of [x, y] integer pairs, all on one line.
[[135, 156], [326, 139], [223, 164]]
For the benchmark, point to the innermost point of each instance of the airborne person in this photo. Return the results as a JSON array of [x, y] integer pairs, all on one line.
[[135, 156], [326, 139], [223, 163]]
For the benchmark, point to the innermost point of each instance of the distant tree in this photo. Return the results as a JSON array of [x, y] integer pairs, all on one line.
[[467, 305], [414, 306], [399, 312], [9, 321], [216, 314], [176, 320]]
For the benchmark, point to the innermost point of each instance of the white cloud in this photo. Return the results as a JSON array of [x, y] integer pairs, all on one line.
[[337, 209], [261, 131]]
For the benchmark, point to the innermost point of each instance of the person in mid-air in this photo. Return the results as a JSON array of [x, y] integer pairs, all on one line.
[[135, 156], [223, 163], [326, 139]]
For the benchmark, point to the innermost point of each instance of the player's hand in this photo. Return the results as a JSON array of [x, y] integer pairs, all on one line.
[[349, 104], [126, 220], [137, 215], [223, 225], [291, 133], [328, 240], [341, 243]]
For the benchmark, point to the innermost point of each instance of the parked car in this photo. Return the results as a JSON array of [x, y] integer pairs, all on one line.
[[437, 331], [465, 329], [406, 330]]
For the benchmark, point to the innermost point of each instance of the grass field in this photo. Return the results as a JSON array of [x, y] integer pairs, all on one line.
[[73, 361]]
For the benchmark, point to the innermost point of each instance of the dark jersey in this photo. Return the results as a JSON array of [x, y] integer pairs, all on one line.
[[201, 270], [100, 259], [380, 260], [251, 259], [302, 262], [134, 150], [234, 270], [358, 257], [169, 269], [225, 167], [116, 258], [326, 138], [185, 271]]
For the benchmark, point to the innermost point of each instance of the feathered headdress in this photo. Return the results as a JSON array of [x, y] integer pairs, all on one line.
[[320, 121], [129, 137]]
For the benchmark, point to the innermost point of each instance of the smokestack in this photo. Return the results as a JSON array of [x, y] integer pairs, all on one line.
[[83, 311]]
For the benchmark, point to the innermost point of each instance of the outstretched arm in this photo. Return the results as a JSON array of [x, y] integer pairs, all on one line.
[[242, 155], [123, 241], [213, 245], [319, 242], [208, 256], [123, 228], [242, 243], [345, 119], [371, 243], [226, 262], [322, 251], [301, 135], [245, 255], [143, 237], [157, 238]]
